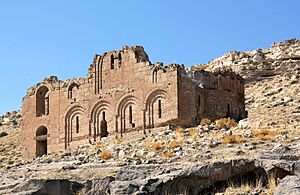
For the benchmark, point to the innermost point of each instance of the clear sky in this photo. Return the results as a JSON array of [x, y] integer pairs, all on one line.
[[60, 37]]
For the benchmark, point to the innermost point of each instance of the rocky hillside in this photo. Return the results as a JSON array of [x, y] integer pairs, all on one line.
[[10, 149], [272, 83], [222, 157]]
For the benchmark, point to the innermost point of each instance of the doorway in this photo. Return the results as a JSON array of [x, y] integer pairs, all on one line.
[[41, 141]]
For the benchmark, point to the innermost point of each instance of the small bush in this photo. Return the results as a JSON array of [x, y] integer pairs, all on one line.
[[225, 122], [193, 132], [205, 121], [98, 145], [265, 134], [233, 139], [179, 130], [179, 133], [173, 144], [156, 146], [272, 184], [105, 155], [169, 154]]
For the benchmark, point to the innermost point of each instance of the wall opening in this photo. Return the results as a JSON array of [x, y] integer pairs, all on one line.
[[77, 124], [199, 102], [130, 115], [41, 141], [154, 76], [112, 63], [73, 91], [42, 101], [103, 126], [159, 108]]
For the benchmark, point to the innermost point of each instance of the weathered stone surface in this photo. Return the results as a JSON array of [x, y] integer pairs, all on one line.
[[290, 185]]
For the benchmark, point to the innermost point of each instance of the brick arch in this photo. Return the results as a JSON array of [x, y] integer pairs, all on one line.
[[42, 100], [123, 104], [98, 108], [212, 105], [229, 108], [41, 141], [70, 88], [71, 114], [153, 97]]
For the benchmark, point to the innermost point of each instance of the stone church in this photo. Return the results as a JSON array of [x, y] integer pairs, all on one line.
[[122, 92]]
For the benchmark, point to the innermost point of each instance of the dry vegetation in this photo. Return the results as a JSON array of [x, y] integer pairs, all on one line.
[[205, 121], [169, 154], [265, 134], [173, 144], [105, 154], [193, 132], [233, 139], [225, 122], [156, 146], [179, 134]]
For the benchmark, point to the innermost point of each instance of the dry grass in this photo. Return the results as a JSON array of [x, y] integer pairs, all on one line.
[[244, 187], [233, 139], [99, 145], [205, 121], [169, 154], [173, 144], [272, 184], [156, 146], [265, 134], [193, 132], [179, 133], [105, 155], [225, 122]]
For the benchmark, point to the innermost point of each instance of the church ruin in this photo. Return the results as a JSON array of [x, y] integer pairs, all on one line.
[[122, 92]]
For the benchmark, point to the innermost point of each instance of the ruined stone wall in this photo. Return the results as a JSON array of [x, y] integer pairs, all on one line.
[[131, 92], [123, 91]]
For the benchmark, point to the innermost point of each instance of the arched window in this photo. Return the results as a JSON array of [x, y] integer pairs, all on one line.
[[159, 108], [42, 101], [112, 63], [154, 76], [103, 115], [130, 114], [213, 105], [77, 124], [73, 91]]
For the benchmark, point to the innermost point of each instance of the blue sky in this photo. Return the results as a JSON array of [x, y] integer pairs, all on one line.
[[60, 37]]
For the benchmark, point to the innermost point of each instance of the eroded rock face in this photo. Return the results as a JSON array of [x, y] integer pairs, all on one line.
[[288, 185]]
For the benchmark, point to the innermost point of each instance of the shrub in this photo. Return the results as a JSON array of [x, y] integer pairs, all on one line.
[[156, 145], [193, 132], [98, 145], [169, 154], [179, 133], [105, 155], [225, 122], [233, 139], [272, 184], [265, 134], [173, 144], [205, 121]]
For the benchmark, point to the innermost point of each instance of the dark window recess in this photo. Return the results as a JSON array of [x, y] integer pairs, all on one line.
[[159, 108]]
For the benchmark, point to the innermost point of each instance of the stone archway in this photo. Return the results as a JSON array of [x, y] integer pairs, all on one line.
[[41, 141]]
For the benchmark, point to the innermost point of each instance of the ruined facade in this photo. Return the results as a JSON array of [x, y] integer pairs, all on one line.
[[123, 91]]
